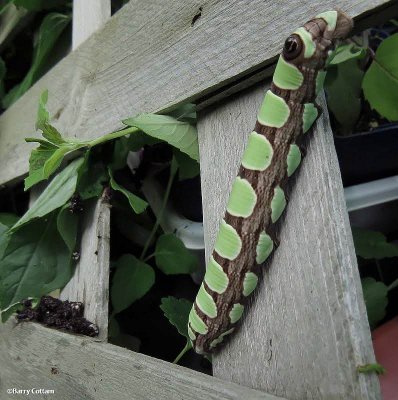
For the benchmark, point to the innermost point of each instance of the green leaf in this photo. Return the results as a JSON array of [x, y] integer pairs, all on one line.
[[380, 84], [120, 152], [114, 328], [375, 295], [373, 245], [38, 5], [6, 314], [4, 5], [136, 203], [185, 112], [172, 257], [35, 262], [56, 194], [179, 134], [177, 312], [43, 116], [139, 139], [346, 52], [343, 87], [132, 280], [67, 224], [43, 122], [188, 168], [37, 160], [4, 238], [92, 177], [55, 160], [50, 29], [8, 219]]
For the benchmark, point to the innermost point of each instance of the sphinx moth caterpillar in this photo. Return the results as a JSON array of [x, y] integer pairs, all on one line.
[[246, 236]]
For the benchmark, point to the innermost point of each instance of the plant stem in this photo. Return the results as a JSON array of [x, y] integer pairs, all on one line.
[[393, 285], [186, 348], [156, 253], [149, 257], [173, 171], [111, 136]]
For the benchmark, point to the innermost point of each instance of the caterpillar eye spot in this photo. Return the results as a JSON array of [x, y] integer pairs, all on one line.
[[292, 47]]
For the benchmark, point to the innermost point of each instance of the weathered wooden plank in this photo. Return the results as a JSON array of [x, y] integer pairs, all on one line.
[[77, 367], [90, 282], [88, 17], [307, 330], [148, 57]]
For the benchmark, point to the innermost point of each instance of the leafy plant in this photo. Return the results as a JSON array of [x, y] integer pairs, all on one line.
[[343, 85], [132, 280], [380, 84], [51, 28], [28, 266], [348, 82], [375, 294], [169, 249], [177, 312], [373, 245]]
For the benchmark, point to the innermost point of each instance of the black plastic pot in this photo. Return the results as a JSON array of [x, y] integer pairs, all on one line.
[[364, 157]]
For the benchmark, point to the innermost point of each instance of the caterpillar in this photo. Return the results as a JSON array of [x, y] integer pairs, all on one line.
[[246, 236]]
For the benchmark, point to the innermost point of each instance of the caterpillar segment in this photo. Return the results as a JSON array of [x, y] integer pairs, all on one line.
[[257, 200]]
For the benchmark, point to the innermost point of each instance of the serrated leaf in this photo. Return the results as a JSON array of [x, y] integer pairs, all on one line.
[[55, 195], [373, 245], [177, 312], [179, 134], [38, 158], [43, 122], [50, 29], [172, 257], [375, 295], [346, 52], [132, 280], [35, 262], [43, 116], [380, 84], [188, 168], [137, 204], [8, 219], [343, 87], [67, 225]]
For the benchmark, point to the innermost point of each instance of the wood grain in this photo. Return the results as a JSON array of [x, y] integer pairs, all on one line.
[[307, 330], [77, 367], [149, 57], [90, 282], [88, 17]]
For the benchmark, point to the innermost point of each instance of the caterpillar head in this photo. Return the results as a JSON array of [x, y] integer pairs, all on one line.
[[311, 44]]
